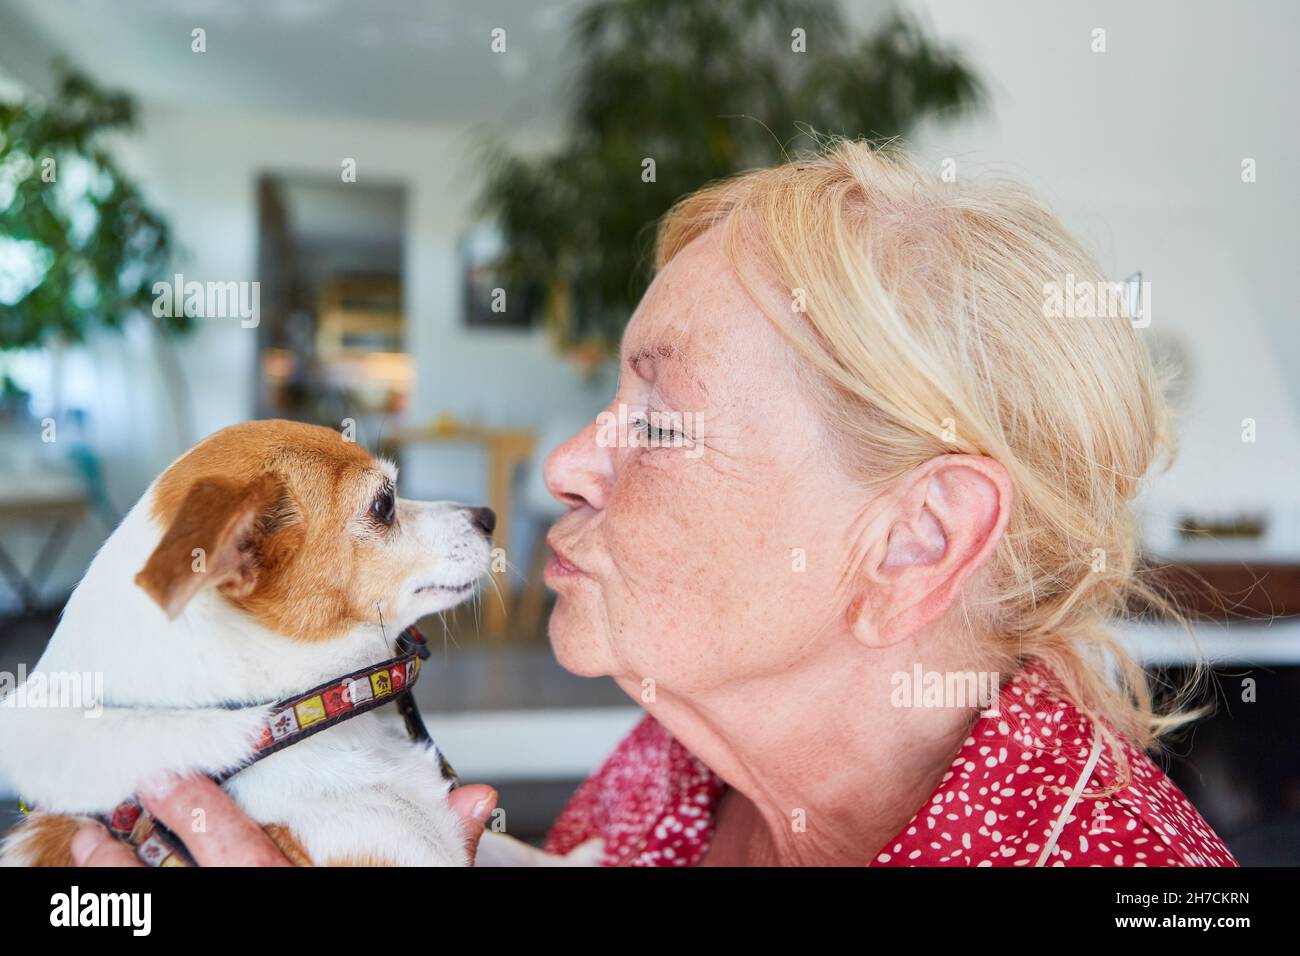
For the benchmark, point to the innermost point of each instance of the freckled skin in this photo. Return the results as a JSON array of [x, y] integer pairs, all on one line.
[[690, 564], [777, 679]]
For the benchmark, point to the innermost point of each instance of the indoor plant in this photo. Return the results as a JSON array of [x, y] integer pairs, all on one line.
[[703, 89]]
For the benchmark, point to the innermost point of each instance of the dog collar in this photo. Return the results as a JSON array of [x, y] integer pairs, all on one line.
[[294, 719]]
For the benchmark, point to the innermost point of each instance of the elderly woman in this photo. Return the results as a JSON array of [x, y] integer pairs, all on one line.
[[866, 467]]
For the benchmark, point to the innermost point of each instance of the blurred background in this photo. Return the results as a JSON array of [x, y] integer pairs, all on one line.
[[429, 222]]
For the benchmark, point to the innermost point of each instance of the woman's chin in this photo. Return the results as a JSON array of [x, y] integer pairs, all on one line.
[[576, 642]]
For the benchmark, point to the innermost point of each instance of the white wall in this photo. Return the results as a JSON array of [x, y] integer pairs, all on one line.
[[1140, 150]]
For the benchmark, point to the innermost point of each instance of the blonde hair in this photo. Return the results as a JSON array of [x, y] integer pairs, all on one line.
[[923, 329]]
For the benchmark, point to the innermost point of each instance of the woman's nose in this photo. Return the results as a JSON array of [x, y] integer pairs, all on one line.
[[579, 472]]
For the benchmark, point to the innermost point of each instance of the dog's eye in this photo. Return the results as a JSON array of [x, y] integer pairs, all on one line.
[[384, 507]]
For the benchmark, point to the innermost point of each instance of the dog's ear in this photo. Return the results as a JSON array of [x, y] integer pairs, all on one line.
[[214, 539]]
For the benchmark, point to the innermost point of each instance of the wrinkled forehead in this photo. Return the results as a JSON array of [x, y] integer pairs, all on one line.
[[699, 328]]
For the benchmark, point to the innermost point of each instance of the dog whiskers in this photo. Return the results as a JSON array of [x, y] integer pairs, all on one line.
[[500, 598], [514, 569], [446, 636], [475, 603]]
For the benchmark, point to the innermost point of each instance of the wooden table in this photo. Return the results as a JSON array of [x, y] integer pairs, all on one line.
[[507, 449]]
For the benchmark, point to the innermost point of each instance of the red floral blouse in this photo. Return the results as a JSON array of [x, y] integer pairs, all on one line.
[[1026, 789]]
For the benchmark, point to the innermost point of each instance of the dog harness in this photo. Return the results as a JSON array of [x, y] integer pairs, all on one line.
[[294, 719]]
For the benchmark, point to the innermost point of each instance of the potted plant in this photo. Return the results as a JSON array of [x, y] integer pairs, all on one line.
[[672, 94], [80, 248]]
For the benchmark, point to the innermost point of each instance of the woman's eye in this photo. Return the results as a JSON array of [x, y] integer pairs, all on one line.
[[384, 507], [657, 434]]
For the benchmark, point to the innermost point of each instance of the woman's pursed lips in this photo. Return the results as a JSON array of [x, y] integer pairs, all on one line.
[[559, 565]]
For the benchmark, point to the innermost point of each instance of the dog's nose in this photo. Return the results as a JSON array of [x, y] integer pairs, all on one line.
[[485, 519]]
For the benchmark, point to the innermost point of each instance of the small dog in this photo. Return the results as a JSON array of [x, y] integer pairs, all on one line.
[[267, 561]]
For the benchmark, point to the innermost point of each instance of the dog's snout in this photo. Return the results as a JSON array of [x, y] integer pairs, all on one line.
[[485, 519]]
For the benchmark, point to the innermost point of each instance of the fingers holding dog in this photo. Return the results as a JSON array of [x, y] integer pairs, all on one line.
[[94, 846], [474, 804], [214, 829]]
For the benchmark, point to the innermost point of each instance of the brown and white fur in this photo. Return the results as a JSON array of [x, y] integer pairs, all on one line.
[[261, 563]]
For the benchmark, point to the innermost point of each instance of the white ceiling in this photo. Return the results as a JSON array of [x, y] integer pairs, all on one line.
[[424, 60]]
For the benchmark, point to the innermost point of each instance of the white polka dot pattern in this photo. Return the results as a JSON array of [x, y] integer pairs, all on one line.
[[652, 802]]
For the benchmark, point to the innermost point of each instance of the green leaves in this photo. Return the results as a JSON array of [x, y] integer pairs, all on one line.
[[705, 89], [67, 207]]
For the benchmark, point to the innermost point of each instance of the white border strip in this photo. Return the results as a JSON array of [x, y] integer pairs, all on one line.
[[491, 746]]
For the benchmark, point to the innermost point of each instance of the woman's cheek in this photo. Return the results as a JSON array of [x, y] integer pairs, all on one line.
[[658, 518], [672, 535]]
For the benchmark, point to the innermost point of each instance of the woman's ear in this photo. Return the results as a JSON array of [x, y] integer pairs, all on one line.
[[213, 539], [942, 525]]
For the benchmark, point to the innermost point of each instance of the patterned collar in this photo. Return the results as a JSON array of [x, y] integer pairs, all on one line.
[[294, 719]]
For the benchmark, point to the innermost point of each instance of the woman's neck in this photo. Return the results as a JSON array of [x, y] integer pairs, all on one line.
[[823, 769]]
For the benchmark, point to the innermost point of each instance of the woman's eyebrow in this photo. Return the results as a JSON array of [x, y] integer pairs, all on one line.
[[659, 351], [638, 359]]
